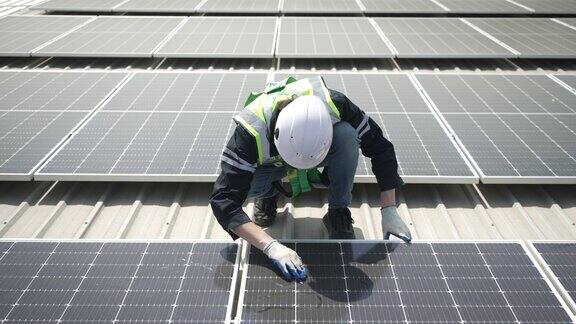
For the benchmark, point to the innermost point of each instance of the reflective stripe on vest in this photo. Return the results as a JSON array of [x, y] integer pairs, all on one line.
[[256, 116]]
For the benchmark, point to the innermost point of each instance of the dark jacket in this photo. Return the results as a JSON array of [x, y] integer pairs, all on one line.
[[240, 157]]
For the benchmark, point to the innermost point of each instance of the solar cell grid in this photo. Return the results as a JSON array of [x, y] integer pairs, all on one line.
[[159, 125], [329, 37], [19, 35], [438, 37], [78, 5], [398, 283], [325, 6], [515, 128], [531, 37], [248, 6], [423, 148], [114, 36], [402, 6], [570, 80], [38, 110], [550, 6], [222, 37], [483, 7], [120, 282], [158, 6], [559, 259], [569, 21]]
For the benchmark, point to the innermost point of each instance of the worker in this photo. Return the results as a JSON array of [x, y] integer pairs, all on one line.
[[292, 127]]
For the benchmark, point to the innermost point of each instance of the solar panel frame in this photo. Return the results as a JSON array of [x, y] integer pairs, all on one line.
[[363, 173], [525, 249], [508, 172], [78, 5], [82, 116], [194, 242], [172, 46], [240, 6], [373, 43], [69, 45], [426, 34], [550, 38], [42, 174], [32, 39], [560, 287]]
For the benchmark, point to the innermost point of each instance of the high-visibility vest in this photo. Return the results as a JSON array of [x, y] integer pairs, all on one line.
[[259, 108]]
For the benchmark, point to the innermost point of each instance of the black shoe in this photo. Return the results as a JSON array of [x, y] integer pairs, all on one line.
[[265, 211], [339, 222]]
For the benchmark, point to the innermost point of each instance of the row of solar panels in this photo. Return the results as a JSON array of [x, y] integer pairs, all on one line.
[[172, 126], [317, 7], [287, 37], [349, 282]]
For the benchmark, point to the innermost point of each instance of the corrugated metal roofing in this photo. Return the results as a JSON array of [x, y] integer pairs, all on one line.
[[181, 210]]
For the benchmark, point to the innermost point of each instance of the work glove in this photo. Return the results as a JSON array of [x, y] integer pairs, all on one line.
[[392, 224], [286, 260]]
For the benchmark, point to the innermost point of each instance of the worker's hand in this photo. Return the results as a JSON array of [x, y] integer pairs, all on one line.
[[392, 224], [286, 260]]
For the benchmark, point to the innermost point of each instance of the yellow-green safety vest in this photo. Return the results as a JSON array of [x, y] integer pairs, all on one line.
[[259, 107]]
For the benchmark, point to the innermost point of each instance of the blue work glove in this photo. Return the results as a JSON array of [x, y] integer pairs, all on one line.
[[286, 260], [392, 224]]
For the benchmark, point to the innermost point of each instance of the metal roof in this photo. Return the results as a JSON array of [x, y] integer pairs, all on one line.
[[181, 210]]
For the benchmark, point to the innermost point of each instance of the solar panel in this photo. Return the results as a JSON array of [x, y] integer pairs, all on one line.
[[438, 37], [34, 121], [113, 36], [19, 35], [550, 6], [77, 5], [157, 127], [329, 37], [424, 150], [402, 6], [325, 6], [159, 6], [559, 260], [4, 11], [222, 37], [531, 37], [569, 21], [515, 128], [570, 80], [382, 282], [119, 282], [483, 7], [238, 6]]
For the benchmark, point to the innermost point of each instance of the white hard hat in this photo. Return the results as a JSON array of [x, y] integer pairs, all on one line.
[[303, 132]]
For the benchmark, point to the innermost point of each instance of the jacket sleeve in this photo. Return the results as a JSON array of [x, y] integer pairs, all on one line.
[[372, 142], [238, 163]]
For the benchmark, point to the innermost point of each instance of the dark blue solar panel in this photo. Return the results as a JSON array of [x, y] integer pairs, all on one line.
[[400, 283], [115, 282], [561, 259]]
